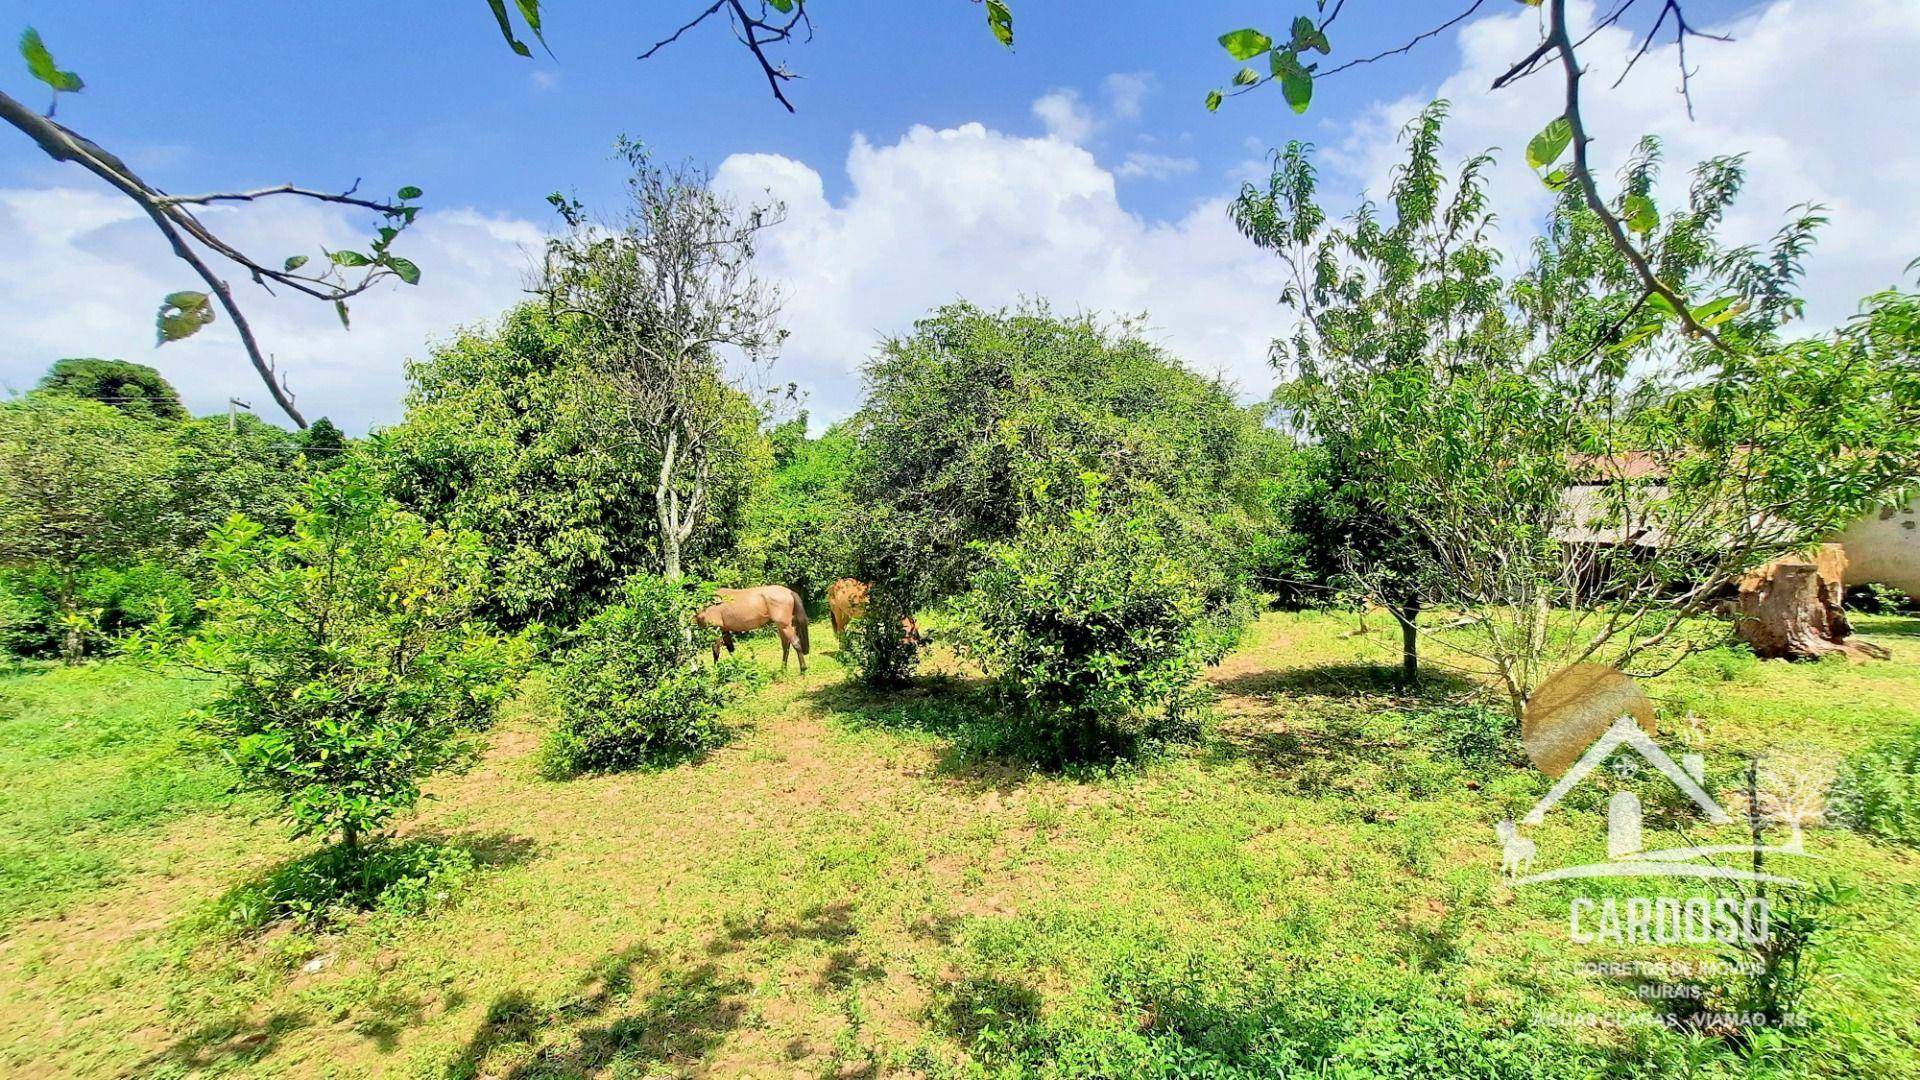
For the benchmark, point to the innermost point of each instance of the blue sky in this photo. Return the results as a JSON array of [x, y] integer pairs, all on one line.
[[223, 93], [925, 163]]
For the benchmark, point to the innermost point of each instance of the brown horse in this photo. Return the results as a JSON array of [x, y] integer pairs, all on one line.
[[847, 601], [741, 610]]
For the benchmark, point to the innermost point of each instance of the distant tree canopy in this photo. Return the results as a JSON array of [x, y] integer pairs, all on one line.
[[135, 389], [798, 529], [503, 436], [323, 437]]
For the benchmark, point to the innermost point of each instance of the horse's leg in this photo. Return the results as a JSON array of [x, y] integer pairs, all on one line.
[[726, 636], [790, 643], [716, 650]]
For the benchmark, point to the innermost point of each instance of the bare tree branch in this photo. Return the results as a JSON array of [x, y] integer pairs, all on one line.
[[182, 230], [1559, 40]]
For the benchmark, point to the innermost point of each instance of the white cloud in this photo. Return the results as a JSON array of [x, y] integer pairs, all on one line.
[[1066, 117], [1126, 91], [1806, 90], [83, 272], [971, 213], [968, 212], [1149, 166], [1069, 117]]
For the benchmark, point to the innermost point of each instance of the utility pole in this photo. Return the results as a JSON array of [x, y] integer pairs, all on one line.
[[234, 405]]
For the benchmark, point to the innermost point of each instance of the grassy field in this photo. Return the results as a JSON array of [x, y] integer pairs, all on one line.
[[847, 890]]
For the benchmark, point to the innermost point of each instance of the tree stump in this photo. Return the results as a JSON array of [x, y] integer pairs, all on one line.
[[1791, 609]]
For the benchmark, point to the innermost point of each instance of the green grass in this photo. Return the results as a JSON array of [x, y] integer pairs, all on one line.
[[91, 760], [851, 888]]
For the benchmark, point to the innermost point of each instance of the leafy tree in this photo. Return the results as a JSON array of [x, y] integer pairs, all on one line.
[[497, 441], [972, 420], [351, 666], [1416, 293], [632, 688], [135, 389], [506, 436], [1093, 624], [653, 303], [323, 437], [787, 438], [1581, 475], [1292, 62], [219, 466], [80, 487], [798, 528]]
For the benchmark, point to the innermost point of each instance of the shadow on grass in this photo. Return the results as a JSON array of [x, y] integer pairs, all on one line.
[[1347, 680], [1340, 729], [397, 876], [958, 711], [1310, 1023], [227, 1045], [608, 1025]]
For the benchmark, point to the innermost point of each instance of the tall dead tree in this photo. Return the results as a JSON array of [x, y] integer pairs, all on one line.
[[664, 297]]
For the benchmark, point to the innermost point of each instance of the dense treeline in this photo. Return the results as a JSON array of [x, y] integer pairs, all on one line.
[[107, 492]]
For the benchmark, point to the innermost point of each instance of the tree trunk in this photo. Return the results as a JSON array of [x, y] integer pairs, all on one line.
[[665, 507], [72, 641], [669, 547], [1791, 608], [1409, 620]]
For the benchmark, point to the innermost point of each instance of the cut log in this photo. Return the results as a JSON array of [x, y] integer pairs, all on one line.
[[1791, 609]]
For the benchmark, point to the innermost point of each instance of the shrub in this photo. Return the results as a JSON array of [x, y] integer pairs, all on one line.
[[883, 653], [107, 601], [1093, 630], [351, 669], [322, 888], [1878, 789], [633, 690]]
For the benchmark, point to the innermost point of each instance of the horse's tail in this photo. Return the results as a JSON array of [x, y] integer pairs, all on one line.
[[800, 622]]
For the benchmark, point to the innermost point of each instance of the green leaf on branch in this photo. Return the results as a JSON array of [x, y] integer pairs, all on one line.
[[41, 66], [1245, 44], [1246, 77], [1557, 179], [1296, 82], [530, 11], [349, 258], [1545, 148], [1214, 98], [1639, 214], [409, 192], [1308, 36], [1714, 312], [405, 269], [340, 309], [182, 314], [506, 27], [1000, 21], [294, 262]]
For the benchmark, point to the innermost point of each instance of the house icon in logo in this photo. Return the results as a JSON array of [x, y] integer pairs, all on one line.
[[1626, 856]]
